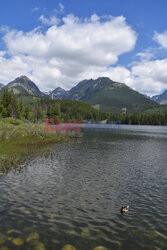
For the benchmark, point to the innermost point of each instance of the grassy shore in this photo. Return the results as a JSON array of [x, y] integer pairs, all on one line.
[[20, 139]]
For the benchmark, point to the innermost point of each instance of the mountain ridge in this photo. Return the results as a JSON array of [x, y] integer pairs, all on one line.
[[108, 95], [59, 92], [23, 85], [102, 93], [161, 98]]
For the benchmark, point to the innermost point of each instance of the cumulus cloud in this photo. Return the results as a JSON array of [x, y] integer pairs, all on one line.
[[11, 67], [118, 73], [69, 52], [73, 49], [149, 77], [161, 38]]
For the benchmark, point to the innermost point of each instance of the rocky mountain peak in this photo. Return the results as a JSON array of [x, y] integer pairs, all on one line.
[[22, 78]]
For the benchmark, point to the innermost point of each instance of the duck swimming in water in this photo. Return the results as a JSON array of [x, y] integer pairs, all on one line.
[[124, 209]]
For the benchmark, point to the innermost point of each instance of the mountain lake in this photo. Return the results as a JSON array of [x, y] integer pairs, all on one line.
[[73, 196]]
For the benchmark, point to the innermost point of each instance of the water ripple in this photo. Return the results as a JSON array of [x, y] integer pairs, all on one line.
[[75, 196]]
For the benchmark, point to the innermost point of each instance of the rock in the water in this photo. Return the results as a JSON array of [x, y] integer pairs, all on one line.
[[18, 241], [10, 231], [86, 232], [39, 246], [119, 243], [32, 236], [68, 247]]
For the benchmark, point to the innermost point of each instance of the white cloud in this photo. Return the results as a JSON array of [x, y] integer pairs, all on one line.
[[2, 53], [61, 7], [95, 18], [161, 38], [94, 42], [35, 9], [53, 20], [60, 10], [11, 68], [149, 77], [145, 56], [69, 52], [119, 73], [78, 49]]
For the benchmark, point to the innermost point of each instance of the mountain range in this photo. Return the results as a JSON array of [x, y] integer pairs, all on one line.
[[102, 93], [161, 99], [107, 95]]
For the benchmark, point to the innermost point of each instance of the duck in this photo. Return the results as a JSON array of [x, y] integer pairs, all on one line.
[[124, 209]]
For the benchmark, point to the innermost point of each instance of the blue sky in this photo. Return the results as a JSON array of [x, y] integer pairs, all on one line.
[[139, 59]]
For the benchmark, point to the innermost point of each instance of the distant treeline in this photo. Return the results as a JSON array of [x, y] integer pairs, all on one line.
[[45, 108], [38, 109], [140, 119]]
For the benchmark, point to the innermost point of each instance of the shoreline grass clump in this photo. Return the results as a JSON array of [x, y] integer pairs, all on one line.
[[20, 139]]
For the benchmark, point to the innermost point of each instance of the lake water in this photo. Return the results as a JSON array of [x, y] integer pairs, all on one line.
[[74, 195]]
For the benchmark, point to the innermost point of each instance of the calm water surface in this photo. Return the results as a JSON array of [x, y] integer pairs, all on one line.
[[74, 195]]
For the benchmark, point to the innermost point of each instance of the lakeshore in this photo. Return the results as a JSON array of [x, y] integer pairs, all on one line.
[[20, 139]]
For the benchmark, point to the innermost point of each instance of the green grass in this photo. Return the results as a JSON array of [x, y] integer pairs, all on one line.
[[20, 139]]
